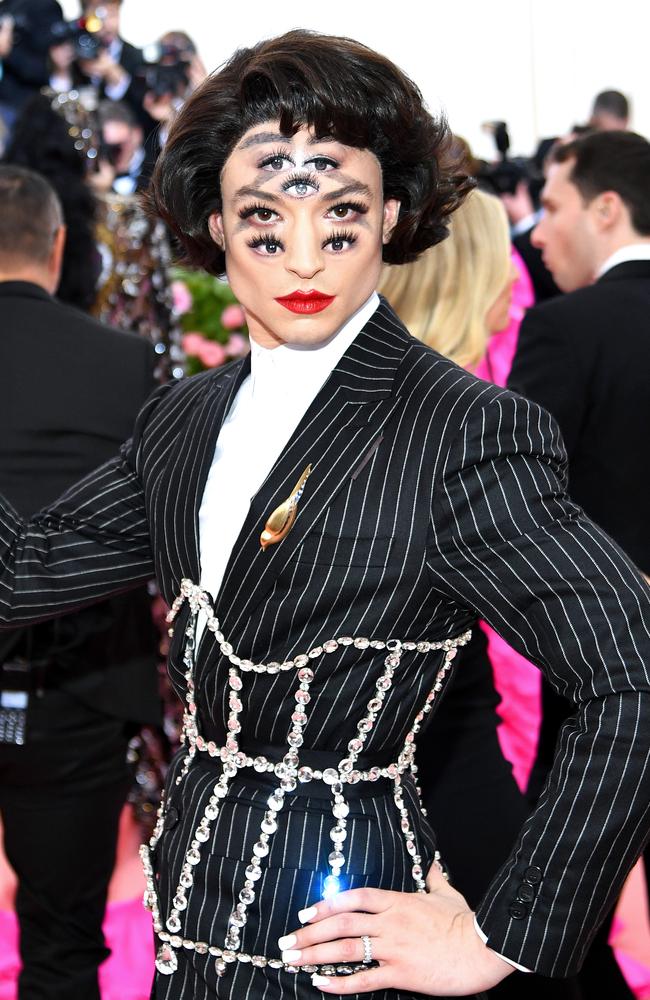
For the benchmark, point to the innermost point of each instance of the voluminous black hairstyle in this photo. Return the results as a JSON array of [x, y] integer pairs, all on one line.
[[339, 88], [612, 161]]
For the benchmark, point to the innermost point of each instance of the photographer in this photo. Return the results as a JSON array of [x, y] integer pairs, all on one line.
[[125, 160], [173, 70], [24, 43]]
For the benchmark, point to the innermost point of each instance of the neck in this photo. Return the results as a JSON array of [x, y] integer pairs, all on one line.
[[34, 275], [625, 239]]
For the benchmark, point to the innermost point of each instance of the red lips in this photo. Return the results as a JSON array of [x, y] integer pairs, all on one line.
[[305, 302]]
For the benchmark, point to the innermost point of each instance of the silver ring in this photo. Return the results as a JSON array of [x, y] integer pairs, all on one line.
[[367, 949]]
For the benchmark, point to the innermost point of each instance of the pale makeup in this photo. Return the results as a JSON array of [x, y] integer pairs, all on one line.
[[301, 215]]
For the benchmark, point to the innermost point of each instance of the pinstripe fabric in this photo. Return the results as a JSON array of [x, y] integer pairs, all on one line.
[[434, 498]]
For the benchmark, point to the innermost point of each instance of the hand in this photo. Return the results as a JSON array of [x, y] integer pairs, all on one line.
[[104, 66], [424, 942], [6, 35]]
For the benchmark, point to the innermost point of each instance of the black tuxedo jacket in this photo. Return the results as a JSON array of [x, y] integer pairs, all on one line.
[[585, 357], [434, 498], [70, 391]]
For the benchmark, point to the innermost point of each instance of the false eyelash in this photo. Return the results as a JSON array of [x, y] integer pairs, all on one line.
[[248, 210], [356, 206], [277, 154], [263, 240], [344, 235], [301, 177]]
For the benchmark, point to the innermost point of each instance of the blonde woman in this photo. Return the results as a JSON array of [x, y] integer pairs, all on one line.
[[459, 292]]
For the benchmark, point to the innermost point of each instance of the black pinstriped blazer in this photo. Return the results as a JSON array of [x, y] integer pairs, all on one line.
[[434, 498]]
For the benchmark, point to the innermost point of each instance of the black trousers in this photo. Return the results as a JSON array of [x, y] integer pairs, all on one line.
[[61, 795]]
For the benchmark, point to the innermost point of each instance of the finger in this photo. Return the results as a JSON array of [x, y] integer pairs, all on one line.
[[360, 982], [348, 951], [334, 928], [360, 900]]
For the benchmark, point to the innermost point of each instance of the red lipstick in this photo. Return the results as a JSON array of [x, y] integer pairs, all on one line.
[[305, 302]]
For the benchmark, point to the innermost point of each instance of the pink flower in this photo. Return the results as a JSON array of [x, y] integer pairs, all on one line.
[[193, 343], [211, 354], [181, 297], [237, 345], [232, 318]]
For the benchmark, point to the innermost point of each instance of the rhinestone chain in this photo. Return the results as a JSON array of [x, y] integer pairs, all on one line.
[[289, 773]]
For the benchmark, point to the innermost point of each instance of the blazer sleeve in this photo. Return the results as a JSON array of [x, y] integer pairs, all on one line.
[[508, 543], [550, 368], [89, 544]]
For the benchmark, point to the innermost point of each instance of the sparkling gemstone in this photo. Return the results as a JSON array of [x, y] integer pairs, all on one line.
[[392, 770], [273, 668], [186, 880], [305, 774], [411, 848], [234, 725], [166, 960], [243, 957], [345, 765], [452, 653], [193, 857], [211, 812], [220, 966], [221, 790], [235, 704], [236, 920], [226, 648], [362, 643], [384, 683], [354, 777], [301, 661], [268, 823], [365, 725], [201, 948], [179, 903], [214, 951], [330, 776], [229, 956], [259, 961], [260, 849], [275, 963], [288, 784], [201, 834], [338, 833], [416, 871], [374, 704], [260, 764], [295, 739], [235, 681], [246, 665], [306, 675], [424, 647], [330, 646], [253, 872], [299, 718], [303, 697], [355, 745], [173, 923], [340, 810], [275, 801], [213, 749], [247, 896], [316, 651]]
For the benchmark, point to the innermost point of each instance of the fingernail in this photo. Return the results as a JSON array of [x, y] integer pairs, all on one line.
[[287, 941], [319, 980], [291, 956], [305, 915]]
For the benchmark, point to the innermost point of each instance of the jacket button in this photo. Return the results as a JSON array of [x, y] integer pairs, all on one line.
[[518, 911], [533, 875], [171, 818], [526, 893]]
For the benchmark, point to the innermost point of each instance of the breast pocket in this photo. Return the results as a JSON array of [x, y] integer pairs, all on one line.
[[340, 550]]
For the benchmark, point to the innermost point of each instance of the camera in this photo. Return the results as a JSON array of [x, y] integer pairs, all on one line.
[[83, 33], [503, 176], [165, 71]]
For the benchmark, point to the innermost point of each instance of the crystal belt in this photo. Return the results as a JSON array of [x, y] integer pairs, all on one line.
[[289, 773]]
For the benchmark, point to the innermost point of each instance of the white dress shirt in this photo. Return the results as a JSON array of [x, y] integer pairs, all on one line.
[[633, 251]]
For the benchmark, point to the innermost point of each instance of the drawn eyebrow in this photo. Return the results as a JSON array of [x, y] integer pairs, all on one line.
[[254, 192], [259, 138], [356, 187]]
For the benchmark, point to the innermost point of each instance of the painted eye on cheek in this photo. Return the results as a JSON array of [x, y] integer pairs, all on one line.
[[266, 245]]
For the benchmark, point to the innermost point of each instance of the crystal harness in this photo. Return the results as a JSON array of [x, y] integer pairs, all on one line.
[[289, 773]]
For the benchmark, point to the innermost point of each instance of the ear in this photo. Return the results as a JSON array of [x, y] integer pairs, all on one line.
[[215, 226], [391, 214], [608, 208], [56, 255]]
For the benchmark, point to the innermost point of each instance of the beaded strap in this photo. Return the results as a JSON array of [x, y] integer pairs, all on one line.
[[289, 773]]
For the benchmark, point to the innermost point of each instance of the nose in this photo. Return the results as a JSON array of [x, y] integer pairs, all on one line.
[[304, 254], [537, 235]]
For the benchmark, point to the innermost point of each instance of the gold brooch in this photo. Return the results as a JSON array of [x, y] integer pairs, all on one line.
[[280, 522]]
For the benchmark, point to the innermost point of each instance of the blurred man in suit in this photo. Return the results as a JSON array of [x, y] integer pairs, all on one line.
[[610, 112], [585, 356], [72, 691]]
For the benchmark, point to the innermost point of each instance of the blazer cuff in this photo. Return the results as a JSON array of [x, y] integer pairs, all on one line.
[[483, 938]]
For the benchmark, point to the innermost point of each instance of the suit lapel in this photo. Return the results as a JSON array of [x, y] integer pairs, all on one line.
[[337, 432], [190, 467]]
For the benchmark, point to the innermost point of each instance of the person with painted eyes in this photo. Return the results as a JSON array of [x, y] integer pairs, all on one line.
[[327, 519]]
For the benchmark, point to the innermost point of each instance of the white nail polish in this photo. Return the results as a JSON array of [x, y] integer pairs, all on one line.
[[291, 956], [305, 915], [319, 980], [287, 941]]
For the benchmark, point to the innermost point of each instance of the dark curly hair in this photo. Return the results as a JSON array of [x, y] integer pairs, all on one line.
[[339, 88]]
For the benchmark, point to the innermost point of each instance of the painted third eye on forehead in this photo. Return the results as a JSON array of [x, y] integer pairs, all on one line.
[[302, 166]]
